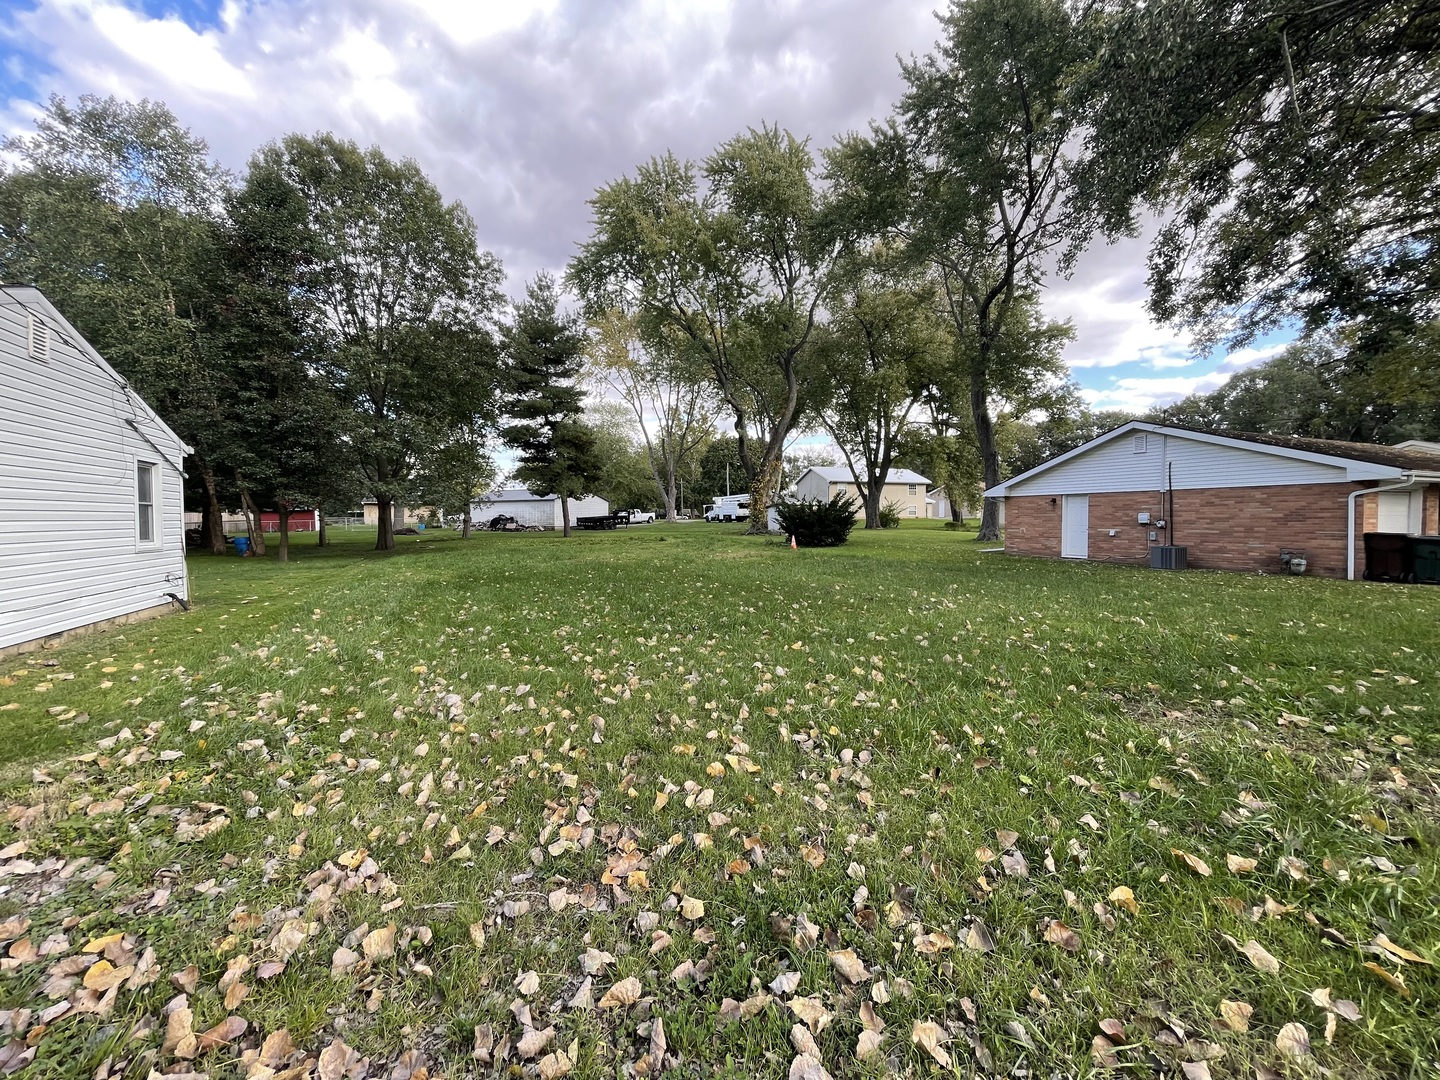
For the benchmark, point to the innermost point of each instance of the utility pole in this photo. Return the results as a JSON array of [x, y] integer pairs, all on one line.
[[727, 479]]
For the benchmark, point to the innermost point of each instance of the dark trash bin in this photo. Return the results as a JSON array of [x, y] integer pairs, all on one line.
[[1387, 557], [1425, 559]]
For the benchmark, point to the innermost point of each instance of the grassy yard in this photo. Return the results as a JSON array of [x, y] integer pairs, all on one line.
[[680, 800]]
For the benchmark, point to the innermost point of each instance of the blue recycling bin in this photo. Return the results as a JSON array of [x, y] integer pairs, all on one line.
[[242, 545]]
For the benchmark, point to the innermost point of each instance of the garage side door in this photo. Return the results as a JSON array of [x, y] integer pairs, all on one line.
[[1075, 527]]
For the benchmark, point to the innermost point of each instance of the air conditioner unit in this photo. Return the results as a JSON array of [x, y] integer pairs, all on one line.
[[1168, 557]]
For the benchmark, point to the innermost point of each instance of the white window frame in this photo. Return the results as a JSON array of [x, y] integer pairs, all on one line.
[[910, 490], [156, 504], [912, 510]]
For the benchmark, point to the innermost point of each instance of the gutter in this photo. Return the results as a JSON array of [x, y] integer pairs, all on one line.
[[1409, 483]]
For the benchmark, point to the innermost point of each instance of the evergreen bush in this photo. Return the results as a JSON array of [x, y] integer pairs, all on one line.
[[817, 524], [890, 516]]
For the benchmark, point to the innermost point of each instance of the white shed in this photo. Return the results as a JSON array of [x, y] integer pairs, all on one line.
[[92, 504], [528, 509]]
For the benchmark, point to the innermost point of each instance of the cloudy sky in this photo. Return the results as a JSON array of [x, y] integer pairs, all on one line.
[[521, 108]]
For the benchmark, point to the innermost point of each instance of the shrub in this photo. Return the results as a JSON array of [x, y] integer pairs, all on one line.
[[817, 524], [890, 516], [954, 524]]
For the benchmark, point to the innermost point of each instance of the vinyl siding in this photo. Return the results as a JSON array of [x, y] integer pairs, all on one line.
[[814, 486], [543, 512], [1114, 466], [69, 554]]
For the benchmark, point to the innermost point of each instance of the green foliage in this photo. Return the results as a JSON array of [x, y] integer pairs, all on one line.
[[398, 302], [889, 517], [543, 356], [814, 523], [971, 178], [735, 270], [1310, 389], [1294, 148]]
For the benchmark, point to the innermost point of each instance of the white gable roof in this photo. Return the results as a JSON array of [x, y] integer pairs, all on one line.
[[839, 474], [1207, 459], [514, 495], [33, 301]]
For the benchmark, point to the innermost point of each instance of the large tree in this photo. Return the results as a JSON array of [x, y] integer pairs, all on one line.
[[736, 266], [401, 305], [114, 211], [666, 389], [1293, 150], [544, 355], [972, 178], [884, 347]]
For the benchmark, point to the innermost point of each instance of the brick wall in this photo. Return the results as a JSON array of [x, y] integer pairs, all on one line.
[[1242, 529]]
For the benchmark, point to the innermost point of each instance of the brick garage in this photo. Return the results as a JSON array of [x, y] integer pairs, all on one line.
[[1230, 525]]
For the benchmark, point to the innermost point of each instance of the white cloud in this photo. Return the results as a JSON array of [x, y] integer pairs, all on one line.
[[1139, 394], [181, 57]]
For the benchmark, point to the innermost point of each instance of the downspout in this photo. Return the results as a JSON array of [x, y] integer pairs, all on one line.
[[1409, 482]]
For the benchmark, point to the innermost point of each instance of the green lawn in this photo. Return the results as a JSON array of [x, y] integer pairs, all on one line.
[[829, 801]]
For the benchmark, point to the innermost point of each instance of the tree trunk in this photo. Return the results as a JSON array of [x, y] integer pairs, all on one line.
[[762, 493], [989, 455], [252, 522], [385, 534], [957, 512], [565, 514], [282, 552], [873, 494], [465, 525], [322, 538], [214, 517]]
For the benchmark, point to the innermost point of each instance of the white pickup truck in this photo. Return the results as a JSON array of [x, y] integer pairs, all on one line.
[[639, 517]]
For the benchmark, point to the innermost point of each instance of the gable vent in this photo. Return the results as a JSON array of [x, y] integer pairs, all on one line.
[[39, 339], [1138, 443]]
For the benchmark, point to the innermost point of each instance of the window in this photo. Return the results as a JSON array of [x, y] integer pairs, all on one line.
[[1138, 443], [145, 503], [912, 511], [910, 490]]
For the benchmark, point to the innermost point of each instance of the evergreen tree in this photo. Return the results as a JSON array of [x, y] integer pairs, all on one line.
[[544, 354]]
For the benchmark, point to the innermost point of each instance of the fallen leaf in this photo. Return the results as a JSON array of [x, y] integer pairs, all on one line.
[[1293, 1041], [625, 992], [867, 1047], [527, 983], [810, 1010], [785, 983], [805, 1067], [1122, 897], [1057, 933], [1194, 862], [1256, 954], [1395, 982], [850, 966], [379, 944], [553, 1066], [223, 1033], [1236, 1015], [803, 1041], [1399, 951], [931, 1036], [978, 937], [1236, 865], [692, 909], [532, 1042]]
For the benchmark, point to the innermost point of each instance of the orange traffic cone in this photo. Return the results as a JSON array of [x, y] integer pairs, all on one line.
[[792, 542]]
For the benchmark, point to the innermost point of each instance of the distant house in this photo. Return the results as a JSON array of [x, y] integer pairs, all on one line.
[[528, 509], [406, 515], [1233, 501], [92, 500], [903, 488]]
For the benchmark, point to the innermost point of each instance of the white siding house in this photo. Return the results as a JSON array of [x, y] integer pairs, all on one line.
[[902, 488], [528, 509], [91, 489]]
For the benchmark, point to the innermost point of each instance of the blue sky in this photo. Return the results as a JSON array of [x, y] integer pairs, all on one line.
[[521, 108]]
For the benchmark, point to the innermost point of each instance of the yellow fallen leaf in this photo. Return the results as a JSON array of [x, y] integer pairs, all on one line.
[[100, 944], [1395, 982], [1122, 897], [1399, 951], [1236, 1015], [692, 909], [1237, 865], [1193, 861], [931, 1036]]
